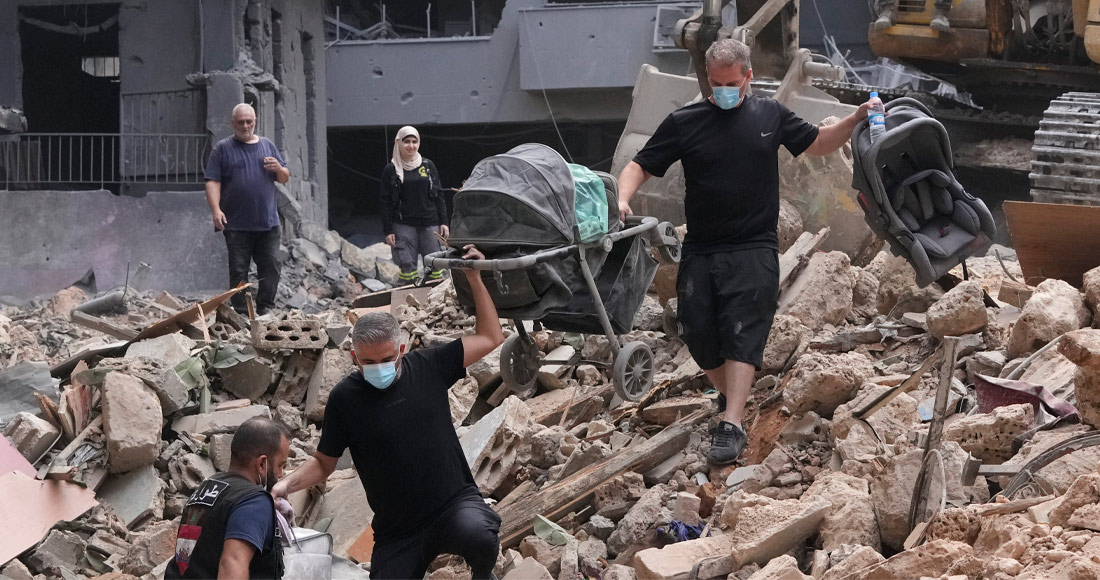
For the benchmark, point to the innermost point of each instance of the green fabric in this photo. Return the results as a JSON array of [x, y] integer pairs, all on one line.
[[591, 203]]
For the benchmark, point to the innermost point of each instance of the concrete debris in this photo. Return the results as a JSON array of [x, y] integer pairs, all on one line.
[[824, 489]]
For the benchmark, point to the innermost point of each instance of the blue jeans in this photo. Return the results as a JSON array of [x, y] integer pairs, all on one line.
[[245, 248]]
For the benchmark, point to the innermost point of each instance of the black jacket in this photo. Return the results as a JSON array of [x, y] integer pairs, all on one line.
[[417, 201]]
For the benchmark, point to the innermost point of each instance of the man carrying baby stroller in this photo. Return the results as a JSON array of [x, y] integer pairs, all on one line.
[[728, 282]]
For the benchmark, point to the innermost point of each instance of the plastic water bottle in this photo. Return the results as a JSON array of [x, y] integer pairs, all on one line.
[[876, 117]]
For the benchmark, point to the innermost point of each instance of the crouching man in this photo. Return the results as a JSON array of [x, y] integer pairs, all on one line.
[[394, 416], [228, 525]]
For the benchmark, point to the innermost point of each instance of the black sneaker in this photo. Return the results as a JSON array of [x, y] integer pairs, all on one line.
[[728, 443]]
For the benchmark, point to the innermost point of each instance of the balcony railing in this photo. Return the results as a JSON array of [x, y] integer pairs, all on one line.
[[52, 160]]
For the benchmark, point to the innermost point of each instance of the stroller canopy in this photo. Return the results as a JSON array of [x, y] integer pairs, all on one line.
[[524, 197]]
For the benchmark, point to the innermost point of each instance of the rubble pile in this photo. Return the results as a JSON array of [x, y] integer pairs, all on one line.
[[881, 446]]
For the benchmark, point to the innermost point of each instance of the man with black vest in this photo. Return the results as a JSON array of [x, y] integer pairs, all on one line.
[[228, 526]]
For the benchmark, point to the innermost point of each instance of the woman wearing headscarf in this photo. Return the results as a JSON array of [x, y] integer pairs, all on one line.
[[413, 208]]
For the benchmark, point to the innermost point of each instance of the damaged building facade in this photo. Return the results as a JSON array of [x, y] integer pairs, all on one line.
[[108, 112]]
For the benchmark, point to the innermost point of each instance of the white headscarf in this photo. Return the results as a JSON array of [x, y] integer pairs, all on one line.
[[398, 162]]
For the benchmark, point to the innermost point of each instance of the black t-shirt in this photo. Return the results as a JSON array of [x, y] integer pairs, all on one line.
[[731, 166], [413, 201], [401, 438]]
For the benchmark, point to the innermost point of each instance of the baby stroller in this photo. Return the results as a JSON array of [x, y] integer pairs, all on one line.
[[557, 254], [909, 194]]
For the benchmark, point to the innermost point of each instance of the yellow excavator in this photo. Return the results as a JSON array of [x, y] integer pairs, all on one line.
[[1026, 57]]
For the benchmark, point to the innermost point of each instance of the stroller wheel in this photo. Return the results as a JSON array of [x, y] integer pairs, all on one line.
[[633, 371], [519, 363], [667, 242]]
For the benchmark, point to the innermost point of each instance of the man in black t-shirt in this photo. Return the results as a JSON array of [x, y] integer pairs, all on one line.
[[728, 282], [394, 416]]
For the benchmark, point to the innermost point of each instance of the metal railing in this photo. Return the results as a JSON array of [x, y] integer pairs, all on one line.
[[48, 160]]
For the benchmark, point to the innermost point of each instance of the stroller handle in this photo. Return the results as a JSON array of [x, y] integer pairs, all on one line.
[[447, 259]]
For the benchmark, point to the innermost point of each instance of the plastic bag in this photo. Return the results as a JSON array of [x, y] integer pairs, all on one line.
[[591, 203]]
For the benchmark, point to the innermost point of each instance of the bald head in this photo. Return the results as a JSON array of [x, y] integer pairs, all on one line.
[[244, 122]]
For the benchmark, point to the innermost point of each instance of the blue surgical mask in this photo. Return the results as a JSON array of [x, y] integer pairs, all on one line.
[[381, 375], [727, 97]]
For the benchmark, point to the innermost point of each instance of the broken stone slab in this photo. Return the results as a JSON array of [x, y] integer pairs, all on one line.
[[987, 363], [822, 293], [822, 382], [989, 436], [225, 421], [583, 456], [294, 383], [61, 550], [542, 552], [345, 502], [666, 412], [332, 367], [685, 508], [189, 470], [650, 315], [634, 525], [784, 567], [461, 397], [1090, 285], [528, 569], [220, 449], [550, 374], [1084, 491], [171, 349], [890, 422], [19, 383], [308, 251], [31, 435], [251, 378], [864, 293], [132, 422], [863, 557], [664, 470], [786, 335], [768, 530], [960, 311], [1055, 308], [136, 497], [389, 273], [155, 544], [493, 444], [156, 374], [486, 370], [675, 561], [851, 517], [933, 559], [358, 260], [1082, 348], [790, 225], [16, 570]]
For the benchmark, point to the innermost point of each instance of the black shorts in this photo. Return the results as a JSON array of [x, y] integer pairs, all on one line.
[[726, 303]]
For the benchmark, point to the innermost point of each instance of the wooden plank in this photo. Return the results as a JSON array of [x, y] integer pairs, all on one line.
[[1014, 293], [794, 257], [1011, 507], [190, 316], [1054, 240], [557, 500], [102, 325]]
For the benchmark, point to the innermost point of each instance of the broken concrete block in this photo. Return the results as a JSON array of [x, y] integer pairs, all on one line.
[[851, 517], [960, 311], [225, 421], [790, 225], [171, 349], [784, 567], [16, 570], [863, 557], [289, 334], [132, 421], [1082, 347], [765, 531], [666, 412], [136, 496], [987, 363], [249, 379], [528, 569], [288, 415], [331, 368], [892, 490], [989, 436], [891, 422], [389, 273], [492, 445], [821, 293], [822, 382], [189, 470], [615, 497], [63, 302], [1084, 491], [583, 456], [220, 450], [619, 572], [958, 524], [156, 374], [307, 251], [896, 279], [685, 508], [676, 560], [929, 560], [589, 375], [296, 377], [632, 528], [650, 315], [599, 527], [487, 369], [786, 334], [61, 550], [31, 435], [461, 398], [345, 502], [1054, 309], [1090, 285], [864, 293], [542, 552], [154, 545], [357, 259]]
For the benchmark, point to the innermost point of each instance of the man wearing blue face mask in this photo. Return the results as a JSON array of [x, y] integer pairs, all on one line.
[[394, 416], [728, 281]]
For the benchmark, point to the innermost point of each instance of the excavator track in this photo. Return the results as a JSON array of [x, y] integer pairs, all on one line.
[[1065, 167]]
